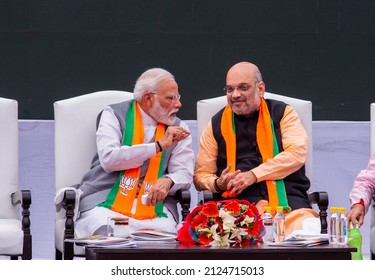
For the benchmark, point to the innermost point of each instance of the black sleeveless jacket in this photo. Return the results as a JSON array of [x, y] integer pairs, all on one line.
[[248, 156]]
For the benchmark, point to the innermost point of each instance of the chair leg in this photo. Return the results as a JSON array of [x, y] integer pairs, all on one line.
[[68, 251], [14, 258], [68, 248], [27, 247], [58, 255]]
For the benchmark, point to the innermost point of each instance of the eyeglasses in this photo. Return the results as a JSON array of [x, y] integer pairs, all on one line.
[[170, 98], [242, 87]]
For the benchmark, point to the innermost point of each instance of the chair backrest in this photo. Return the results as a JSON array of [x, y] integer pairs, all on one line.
[[75, 133], [208, 107], [9, 156], [372, 118]]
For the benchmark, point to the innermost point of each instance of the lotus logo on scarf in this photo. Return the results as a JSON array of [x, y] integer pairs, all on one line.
[[127, 183], [148, 187]]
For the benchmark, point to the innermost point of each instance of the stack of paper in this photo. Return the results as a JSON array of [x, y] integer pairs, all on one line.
[[142, 236], [102, 241], [299, 240], [153, 235]]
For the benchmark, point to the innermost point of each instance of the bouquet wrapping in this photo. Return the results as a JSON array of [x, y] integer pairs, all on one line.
[[229, 222]]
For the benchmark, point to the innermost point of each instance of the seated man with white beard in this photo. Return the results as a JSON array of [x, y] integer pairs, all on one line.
[[143, 149]]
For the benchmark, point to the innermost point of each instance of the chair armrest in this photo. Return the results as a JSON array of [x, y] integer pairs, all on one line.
[[204, 196], [68, 203], [23, 197], [69, 200], [184, 198], [321, 199]]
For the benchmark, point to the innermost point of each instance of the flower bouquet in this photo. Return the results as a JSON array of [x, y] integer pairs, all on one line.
[[223, 223]]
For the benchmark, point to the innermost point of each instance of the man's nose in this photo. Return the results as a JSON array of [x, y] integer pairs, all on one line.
[[178, 103], [236, 92]]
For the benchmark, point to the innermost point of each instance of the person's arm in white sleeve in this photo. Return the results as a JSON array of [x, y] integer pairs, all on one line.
[[113, 155]]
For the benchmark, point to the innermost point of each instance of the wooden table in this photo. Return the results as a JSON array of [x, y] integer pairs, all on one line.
[[196, 252]]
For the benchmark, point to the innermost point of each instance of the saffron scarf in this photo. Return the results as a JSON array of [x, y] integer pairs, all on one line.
[[121, 197], [268, 147]]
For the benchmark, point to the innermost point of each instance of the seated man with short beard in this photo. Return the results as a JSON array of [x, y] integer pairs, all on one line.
[[255, 149]]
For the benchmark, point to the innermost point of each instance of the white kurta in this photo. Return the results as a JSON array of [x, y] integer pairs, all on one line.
[[114, 156]]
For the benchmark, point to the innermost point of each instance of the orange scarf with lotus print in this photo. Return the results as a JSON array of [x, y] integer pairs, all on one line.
[[268, 147], [121, 197]]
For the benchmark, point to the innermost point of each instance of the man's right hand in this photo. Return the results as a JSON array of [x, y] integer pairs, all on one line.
[[172, 136], [240, 182], [225, 177]]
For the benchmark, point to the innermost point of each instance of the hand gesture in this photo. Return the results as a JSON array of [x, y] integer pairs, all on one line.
[[241, 181], [224, 179], [356, 214], [159, 191], [172, 136]]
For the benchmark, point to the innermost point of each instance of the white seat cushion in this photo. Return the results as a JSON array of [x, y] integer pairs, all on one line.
[[11, 237]]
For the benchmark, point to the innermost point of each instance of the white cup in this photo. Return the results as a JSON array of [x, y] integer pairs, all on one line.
[[110, 226], [118, 227], [144, 199]]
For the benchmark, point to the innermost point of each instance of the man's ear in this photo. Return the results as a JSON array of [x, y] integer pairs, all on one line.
[[147, 97], [261, 88]]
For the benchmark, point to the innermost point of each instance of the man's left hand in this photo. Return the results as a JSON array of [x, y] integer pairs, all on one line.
[[241, 182], [159, 191]]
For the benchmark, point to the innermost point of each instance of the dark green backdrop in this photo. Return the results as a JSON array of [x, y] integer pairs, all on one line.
[[323, 51]]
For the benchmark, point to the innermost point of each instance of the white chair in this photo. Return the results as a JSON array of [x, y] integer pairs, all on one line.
[[15, 236], [75, 146], [208, 107], [372, 223]]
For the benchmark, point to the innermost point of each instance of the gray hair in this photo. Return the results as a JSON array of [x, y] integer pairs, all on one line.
[[150, 81], [258, 76]]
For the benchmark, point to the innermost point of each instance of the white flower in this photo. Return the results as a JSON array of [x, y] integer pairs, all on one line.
[[247, 220], [220, 241], [238, 232], [210, 231], [226, 229], [228, 219]]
